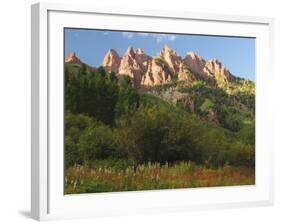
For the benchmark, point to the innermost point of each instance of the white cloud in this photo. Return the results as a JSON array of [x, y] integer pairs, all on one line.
[[158, 37], [128, 35], [164, 37], [172, 37], [143, 34]]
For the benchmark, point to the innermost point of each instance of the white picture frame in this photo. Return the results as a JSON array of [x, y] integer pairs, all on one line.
[[47, 198]]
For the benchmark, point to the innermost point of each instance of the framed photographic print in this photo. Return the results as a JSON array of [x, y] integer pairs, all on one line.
[[148, 111]]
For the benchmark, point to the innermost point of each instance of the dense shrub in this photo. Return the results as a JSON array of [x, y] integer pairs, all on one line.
[[74, 127], [91, 93], [157, 135], [96, 142], [229, 117]]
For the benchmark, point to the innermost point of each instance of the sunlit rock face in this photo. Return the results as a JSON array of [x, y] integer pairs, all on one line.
[[72, 59], [222, 75], [195, 63], [145, 70], [157, 73], [173, 61], [111, 61]]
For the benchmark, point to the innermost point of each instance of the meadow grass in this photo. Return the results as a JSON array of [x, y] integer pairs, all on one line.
[[85, 179]]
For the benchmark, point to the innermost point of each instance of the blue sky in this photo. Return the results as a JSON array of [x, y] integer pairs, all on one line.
[[236, 53]]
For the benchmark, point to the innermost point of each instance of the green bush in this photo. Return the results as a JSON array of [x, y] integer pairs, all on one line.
[[158, 134], [207, 105], [91, 93], [71, 153], [229, 118], [96, 142], [74, 127]]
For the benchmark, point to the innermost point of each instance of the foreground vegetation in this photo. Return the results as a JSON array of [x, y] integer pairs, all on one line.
[[118, 139], [81, 179]]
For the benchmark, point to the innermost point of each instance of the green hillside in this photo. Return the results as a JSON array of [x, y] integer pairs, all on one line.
[[109, 124]]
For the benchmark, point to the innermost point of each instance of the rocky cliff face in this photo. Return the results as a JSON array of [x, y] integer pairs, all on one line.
[[215, 69], [157, 73], [185, 74], [142, 59], [164, 68], [111, 61], [145, 70], [173, 61], [195, 63], [72, 59], [168, 66], [131, 65], [212, 69]]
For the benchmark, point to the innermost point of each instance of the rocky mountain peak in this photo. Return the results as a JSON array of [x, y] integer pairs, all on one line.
[[142, 59], [167, 66], [222, 75], [215, 62], [139, 51], [130, 65], [214, 65], [194, 56], [130, 51], [167, 50], [156, 73], [111, 61], [170, 57], [195, 63], [112, 52], [72, 58]]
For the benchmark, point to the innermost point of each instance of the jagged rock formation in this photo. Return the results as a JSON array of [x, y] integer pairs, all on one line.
[[142, 59], [195, 63], [157, 73], [130, 66], [111, 61], [170, 57], [184, 73], [168, 66], [212, 69], [219, 72], [72, 59]]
